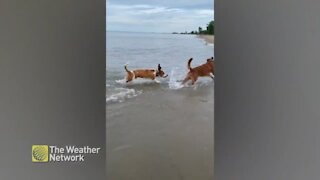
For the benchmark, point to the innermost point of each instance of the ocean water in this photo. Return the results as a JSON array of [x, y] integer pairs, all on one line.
[[147, 50]]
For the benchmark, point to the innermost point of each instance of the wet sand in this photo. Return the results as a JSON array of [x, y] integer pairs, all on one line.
[[162, 135], [208, 38]]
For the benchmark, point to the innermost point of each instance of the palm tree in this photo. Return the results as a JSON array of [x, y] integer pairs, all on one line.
[[210, 27], [200, 30]]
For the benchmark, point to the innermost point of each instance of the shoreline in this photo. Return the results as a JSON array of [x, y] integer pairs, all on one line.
[[162, 134], [159, 130], [207, 38]]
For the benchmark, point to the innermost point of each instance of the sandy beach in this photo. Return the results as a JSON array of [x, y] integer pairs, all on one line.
[[162, 135], [158, 131], [208, 38]]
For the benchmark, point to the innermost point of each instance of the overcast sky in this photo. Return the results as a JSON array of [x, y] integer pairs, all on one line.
[[158, 15]]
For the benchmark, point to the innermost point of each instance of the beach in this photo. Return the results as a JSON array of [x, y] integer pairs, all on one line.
[[158, 130], [208, 38], [162, 135]]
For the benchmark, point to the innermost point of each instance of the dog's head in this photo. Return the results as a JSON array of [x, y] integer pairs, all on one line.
[[210, 59], [160, 72]]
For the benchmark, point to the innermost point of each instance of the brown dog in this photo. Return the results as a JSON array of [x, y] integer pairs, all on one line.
[[144, 73], [200, 71]]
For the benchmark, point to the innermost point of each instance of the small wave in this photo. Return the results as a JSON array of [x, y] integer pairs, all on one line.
[[121, 94], [174, 82], [177, 76], [210, 44], [139, 81], [121, 81], [202, 82]]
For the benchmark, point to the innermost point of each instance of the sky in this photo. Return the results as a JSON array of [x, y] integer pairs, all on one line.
[[160, 16]]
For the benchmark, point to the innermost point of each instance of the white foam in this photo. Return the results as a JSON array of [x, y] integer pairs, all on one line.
[[121, 94], [121, 81], [210, 44], [139, 81], [177, 76], [174, 79]]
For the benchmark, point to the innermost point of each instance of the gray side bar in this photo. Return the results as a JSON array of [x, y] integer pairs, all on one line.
[[52, 91], [267, 86]]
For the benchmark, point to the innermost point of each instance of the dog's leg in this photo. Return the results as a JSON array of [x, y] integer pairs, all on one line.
[[128, 79], [185, 80], [156, 80], [211, 76], [130, 76], [194, 79]]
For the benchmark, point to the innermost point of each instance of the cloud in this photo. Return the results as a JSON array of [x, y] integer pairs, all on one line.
[[200, 4], [155, 18]]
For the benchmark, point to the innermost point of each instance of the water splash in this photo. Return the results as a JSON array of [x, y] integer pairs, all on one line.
[[139, 81], [122, 94], [175, 79]]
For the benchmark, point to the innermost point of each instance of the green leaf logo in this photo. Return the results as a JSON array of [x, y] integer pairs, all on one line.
[[39, 153]]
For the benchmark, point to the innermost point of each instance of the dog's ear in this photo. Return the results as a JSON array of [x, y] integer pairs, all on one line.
[[159, 67]]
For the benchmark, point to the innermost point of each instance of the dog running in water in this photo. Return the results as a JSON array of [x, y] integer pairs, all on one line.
[[200, 71], [145, 73]]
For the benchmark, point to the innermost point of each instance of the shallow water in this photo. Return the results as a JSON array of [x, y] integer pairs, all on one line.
[[158, 130], [162, 134], [147, 50]]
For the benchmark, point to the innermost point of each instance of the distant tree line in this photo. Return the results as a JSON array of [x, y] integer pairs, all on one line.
[[209, 30]]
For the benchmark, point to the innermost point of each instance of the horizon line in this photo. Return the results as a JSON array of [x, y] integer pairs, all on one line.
[[139, 32]]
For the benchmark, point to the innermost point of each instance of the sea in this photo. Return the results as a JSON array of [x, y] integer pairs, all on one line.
[[147, 50]]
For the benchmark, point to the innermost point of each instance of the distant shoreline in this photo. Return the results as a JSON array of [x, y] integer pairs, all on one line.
[[207, 38]]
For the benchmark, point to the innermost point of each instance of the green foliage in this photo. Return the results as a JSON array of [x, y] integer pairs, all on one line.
[[209, 29]]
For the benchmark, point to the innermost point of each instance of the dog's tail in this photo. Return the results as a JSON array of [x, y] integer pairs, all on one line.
[[189, 64], [125, 67]]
